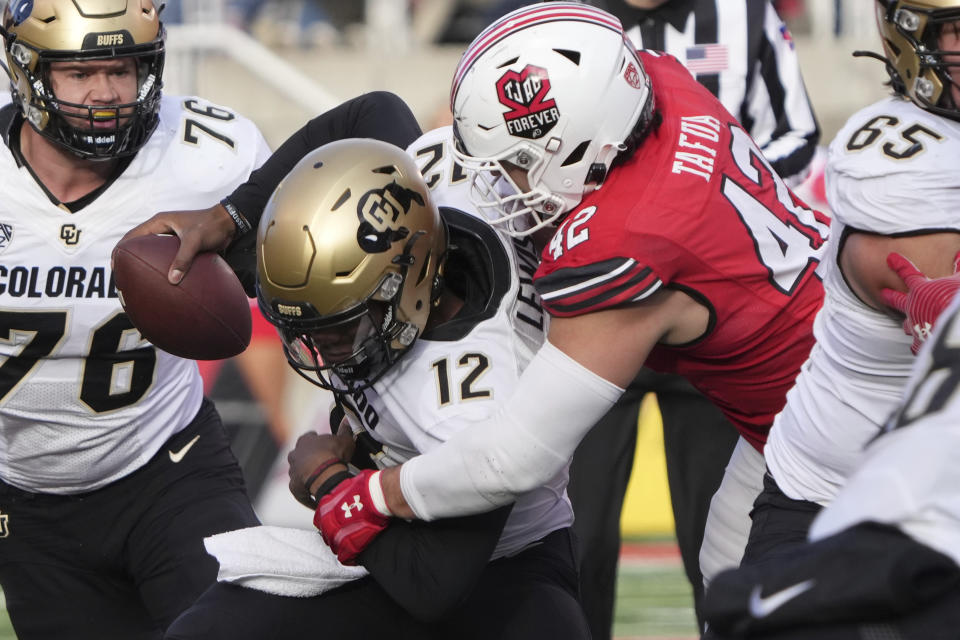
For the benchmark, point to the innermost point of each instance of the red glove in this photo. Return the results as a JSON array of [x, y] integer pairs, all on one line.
[[924, 300], [352, 514]]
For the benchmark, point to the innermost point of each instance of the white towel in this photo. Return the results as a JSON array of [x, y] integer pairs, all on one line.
[[279, 560]]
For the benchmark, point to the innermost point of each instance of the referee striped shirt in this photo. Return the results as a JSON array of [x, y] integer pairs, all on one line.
[[743, 53]]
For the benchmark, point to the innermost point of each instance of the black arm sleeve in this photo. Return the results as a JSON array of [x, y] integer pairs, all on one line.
[[428, 568], [380, 115]]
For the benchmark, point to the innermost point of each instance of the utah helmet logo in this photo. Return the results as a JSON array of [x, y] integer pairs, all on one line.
[[531, 114], [379, 211], [632, 76]]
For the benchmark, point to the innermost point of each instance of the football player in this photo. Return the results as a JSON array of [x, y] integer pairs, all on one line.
[[678, 246], [743, 53], [419, 320], [880, 160], [114, 465], [883, 558], [716, 281]]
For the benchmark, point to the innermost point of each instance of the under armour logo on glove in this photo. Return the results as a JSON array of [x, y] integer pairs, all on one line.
[[346, 506], [924, 300], [352, 515], [923, 332]]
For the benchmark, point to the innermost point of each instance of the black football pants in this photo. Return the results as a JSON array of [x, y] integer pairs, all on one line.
[[868, 582], [124, 561], [530, 596]]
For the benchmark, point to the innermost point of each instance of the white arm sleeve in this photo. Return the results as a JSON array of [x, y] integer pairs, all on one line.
[[527, 442]]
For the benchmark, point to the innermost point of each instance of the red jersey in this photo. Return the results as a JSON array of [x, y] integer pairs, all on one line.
[[698, 209]]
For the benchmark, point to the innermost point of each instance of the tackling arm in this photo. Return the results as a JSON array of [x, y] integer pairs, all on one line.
[[571, 383]]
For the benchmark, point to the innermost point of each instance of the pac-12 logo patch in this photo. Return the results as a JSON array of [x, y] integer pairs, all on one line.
[[6, 235], [532, 115]]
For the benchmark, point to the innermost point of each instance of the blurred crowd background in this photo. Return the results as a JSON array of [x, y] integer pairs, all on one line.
[[332, 22], [281, 62]]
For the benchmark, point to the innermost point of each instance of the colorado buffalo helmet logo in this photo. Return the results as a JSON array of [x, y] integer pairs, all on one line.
[[380, 211], [532, 115]]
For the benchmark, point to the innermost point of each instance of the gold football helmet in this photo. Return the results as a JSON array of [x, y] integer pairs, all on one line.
[[349, 261], [38, 32], [910, 30]]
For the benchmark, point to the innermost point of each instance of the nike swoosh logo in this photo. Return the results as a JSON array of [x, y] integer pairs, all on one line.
[[763, 607], [177, 456]]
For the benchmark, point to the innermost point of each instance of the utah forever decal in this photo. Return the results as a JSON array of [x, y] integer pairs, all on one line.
[[531, 114]]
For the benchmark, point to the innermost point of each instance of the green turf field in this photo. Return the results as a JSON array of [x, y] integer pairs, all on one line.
[[6, 631], [653, 602]]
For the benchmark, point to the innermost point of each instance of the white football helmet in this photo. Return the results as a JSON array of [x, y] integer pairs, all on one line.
[[554, 89]]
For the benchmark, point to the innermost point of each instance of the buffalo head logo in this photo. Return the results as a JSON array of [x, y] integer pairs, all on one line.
[[380, 211]]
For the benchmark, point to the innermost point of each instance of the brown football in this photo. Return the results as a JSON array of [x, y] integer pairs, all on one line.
[[205, 317]]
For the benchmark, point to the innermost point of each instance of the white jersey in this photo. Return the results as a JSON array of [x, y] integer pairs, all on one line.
[[891, 170], [909, 477], [455, 376], [84, 400]]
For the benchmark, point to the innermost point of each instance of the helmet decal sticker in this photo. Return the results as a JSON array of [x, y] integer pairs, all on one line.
[[120, 38], [21, 10], [632, 76], [378, 211], [531, 114]]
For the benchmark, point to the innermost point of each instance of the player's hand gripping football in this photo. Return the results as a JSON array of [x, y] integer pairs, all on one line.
[[202, 230], [924, 300], [352, 514]]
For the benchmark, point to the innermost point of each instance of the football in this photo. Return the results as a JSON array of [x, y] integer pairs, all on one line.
[[205, 317]]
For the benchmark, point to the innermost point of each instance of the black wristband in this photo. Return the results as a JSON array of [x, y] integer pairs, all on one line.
[[242, 224], [331, 483]]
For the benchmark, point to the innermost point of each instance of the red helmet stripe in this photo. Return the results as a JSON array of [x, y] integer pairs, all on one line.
[[523, 19]]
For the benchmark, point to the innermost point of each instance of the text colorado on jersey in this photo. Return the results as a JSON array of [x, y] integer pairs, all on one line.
[[57, 282]]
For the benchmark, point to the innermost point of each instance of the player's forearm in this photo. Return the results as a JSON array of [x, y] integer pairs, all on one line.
[[430, 568], [529, 440], [379, 115]]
